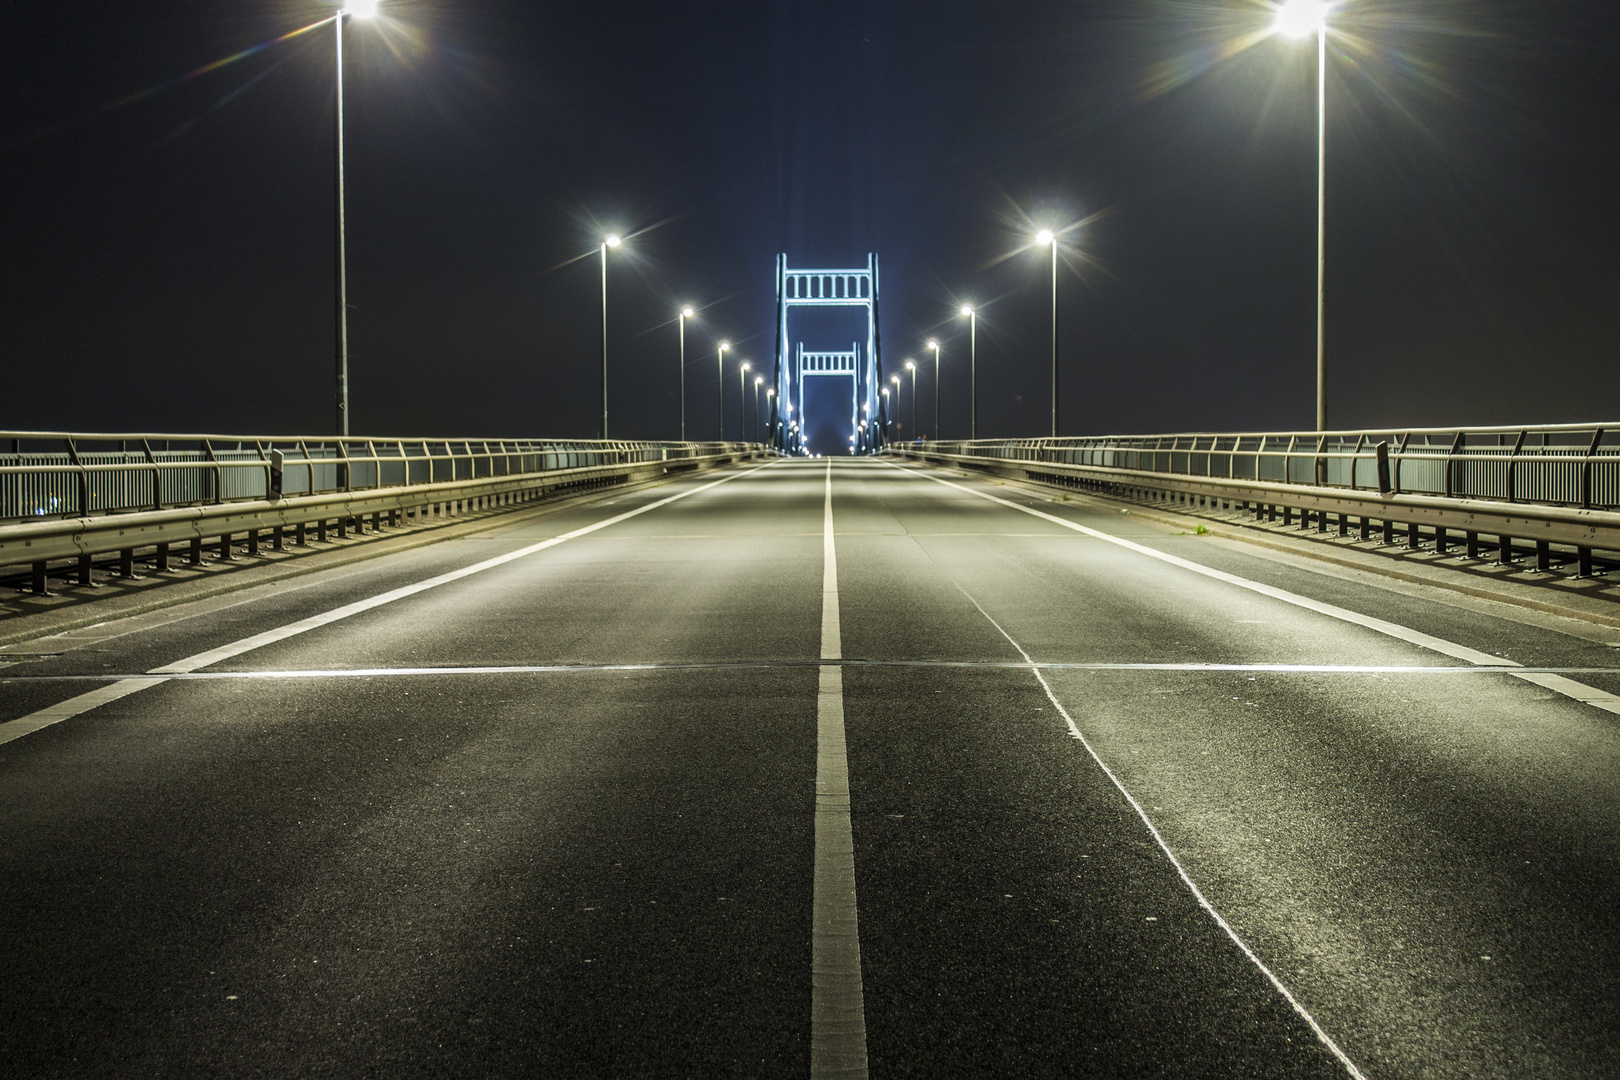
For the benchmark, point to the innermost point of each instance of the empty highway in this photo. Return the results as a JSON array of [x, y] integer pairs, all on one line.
[[814, 768]]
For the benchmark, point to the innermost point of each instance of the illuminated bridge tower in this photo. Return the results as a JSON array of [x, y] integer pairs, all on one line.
[[863, 363]]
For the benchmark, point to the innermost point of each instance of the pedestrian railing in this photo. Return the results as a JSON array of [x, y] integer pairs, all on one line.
[[77, 495], [1548, 484]]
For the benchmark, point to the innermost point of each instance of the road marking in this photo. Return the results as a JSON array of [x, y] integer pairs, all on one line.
[[837, 1003], [66, 710], [1198, 894], [756, 665], [1568, 687]]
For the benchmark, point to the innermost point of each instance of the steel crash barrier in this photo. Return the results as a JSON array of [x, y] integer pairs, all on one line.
[[75, 496], [1541, 486]]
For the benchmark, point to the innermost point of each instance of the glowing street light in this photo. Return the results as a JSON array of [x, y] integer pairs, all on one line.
[[758, 379], [742, 400], [720, 384], [611, 240], [1300, 19], [888, 417], [770, 407], [912, 367], [1047, 238], [686, 313], [972, 317], [933, 343], [356, 9]]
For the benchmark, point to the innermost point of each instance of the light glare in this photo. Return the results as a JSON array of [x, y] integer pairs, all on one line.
[[612, 240], [1300, 18], [967, 309], [1044, 237], [687, 311], [360, 9]]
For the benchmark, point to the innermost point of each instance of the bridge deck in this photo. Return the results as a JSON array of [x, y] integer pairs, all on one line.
[[417, 818]]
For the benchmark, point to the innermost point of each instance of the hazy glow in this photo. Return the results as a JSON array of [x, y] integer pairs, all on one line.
[[758, 379], [933, 344], [910, 366], [1044, 237], [967, 309], [724, 345], [360, 9], [687, 311], [895, 379], [1300, 18], [746, 365], [612, 240]]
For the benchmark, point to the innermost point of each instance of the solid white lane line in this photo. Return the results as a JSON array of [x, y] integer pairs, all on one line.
[[1558, 684], [66, 710], [837, 1003], [1181, 871], [1394, 630]]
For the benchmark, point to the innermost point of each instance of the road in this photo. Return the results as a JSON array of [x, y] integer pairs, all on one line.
[[564, 798]]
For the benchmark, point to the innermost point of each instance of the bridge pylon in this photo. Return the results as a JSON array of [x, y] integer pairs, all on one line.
[[857, 287]]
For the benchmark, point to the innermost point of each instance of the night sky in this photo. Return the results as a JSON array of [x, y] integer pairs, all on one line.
[[168, 249]]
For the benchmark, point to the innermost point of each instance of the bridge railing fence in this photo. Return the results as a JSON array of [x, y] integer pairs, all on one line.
[[61, 475], [1571, 465]]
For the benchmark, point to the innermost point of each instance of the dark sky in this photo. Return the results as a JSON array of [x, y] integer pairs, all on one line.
[[168, 259]]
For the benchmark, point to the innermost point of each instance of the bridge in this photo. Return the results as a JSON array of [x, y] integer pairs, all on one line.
[[1273, 754]]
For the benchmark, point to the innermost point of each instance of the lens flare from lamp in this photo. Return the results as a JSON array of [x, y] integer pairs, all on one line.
[[1044, 237], [687, 311], [612, 240], [1300, 18], [360, 9]]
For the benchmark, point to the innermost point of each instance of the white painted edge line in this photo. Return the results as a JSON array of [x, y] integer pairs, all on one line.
[[1558, 684], [1198, 894], [837, 998], [66, 710]]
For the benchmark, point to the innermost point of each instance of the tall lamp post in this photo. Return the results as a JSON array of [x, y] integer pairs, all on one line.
[[758, 380], [770, 407], [895, 379], [933, 343], [720, 385], [742, 400], [358, 9], [610, 241], [912, 367], [973, 370], [888, 417], [1046, 237], [686, 313], [1301, 19]]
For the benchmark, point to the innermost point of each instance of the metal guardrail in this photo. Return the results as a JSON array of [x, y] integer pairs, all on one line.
[[1544, 484], [70, 495]]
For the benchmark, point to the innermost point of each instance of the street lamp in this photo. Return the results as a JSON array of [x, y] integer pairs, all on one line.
[[609, 241], [742, 401], [686, 313], [1301, 19], [720, 383], [933, 343], [758, 379], [912, 367], [896, 380], [770, 406], [1043, 238], [357, 9], [973, 370], [887, 416]]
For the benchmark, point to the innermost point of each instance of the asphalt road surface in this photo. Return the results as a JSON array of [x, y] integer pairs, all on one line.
[[607, 791]]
